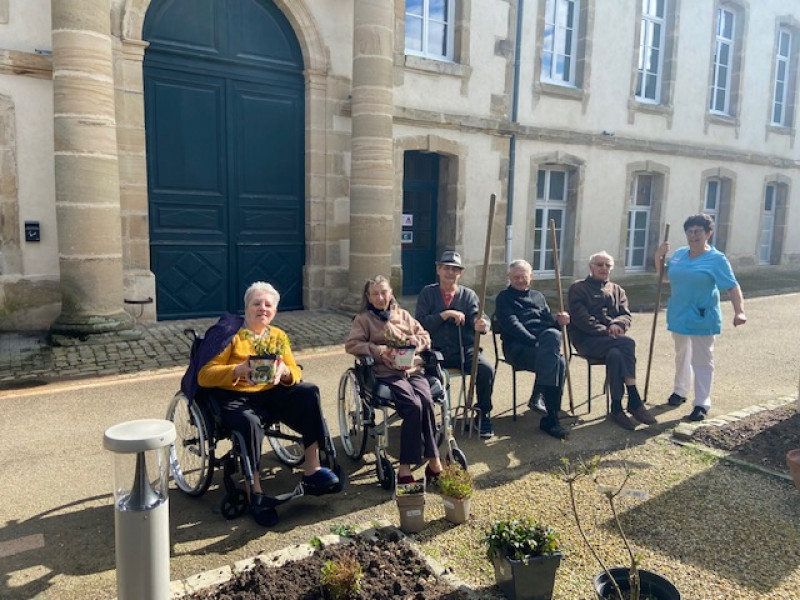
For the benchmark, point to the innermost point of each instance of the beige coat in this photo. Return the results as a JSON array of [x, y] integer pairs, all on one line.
[[368, 338]]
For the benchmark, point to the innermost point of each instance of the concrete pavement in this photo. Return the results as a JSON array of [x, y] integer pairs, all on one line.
[[56, 516]]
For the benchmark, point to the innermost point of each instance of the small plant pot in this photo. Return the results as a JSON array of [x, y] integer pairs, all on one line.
[[456, 510], [530, 579], [412, 512], [653, 585], [263, 368], [793, 460], [404, 356]]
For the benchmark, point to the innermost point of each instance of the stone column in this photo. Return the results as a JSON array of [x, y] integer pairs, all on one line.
[[372, 171], [86, 171]]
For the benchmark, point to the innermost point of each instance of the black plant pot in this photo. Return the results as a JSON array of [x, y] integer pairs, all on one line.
[[657, 586], [531, 579]]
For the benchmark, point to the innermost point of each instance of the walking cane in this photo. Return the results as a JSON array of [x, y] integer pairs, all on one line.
[[660, 270], [561, 304], [481, 300]]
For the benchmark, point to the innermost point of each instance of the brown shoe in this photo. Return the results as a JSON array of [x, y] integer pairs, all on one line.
[[643, 415], [622, 420]]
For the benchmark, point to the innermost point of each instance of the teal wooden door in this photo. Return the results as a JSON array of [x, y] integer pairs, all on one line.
[[224, 120], [418, 237]]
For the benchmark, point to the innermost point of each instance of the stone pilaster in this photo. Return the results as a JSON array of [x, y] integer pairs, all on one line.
[[86, 171], [372, 170]]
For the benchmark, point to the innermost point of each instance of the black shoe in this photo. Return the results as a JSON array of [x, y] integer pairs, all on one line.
[[263, 510], [623, 420], [553, 427], [698, 414], [536, 403], [675, 400]]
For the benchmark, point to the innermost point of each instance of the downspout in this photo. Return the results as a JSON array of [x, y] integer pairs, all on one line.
[[512, 144]]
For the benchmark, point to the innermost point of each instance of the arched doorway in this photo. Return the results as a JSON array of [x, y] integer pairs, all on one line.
[[224, 120]]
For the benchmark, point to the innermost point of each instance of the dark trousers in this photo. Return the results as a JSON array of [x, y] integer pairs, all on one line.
[[620, 357], [484, 383], [544, 358], [414, 404], [297, 406]]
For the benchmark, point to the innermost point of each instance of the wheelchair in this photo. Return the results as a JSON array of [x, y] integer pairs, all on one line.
[[199, 430], [364, 412]]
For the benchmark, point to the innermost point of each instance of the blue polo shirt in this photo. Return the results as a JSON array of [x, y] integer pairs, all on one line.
[[693, 307]]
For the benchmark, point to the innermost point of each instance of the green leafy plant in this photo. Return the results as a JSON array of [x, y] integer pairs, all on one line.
[[344, 530], [268, 343], [456, 482], [315, 542], [519, 539], [571, 473], [341, 579], [404, 489]]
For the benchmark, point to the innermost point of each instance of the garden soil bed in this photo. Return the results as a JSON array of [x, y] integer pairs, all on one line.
[[392, 569], [761, 439]]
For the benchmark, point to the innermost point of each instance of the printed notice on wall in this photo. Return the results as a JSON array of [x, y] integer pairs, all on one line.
[[406, 237], [408, 220]]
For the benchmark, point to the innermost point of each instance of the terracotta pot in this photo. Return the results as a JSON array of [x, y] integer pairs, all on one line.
[[456, 510], [793, 460]]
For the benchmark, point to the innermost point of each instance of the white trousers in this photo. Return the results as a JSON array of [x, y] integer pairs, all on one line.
[[694, 355]]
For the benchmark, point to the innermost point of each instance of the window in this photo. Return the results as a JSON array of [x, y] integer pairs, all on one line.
[[560, 45], [651, 51], [723, 62], [551, 203], [712, 203], [767, 226], [429, 28], [639, 222], [781, 89]]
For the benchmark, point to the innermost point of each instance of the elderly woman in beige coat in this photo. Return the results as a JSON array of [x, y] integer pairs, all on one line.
[[379, 317]]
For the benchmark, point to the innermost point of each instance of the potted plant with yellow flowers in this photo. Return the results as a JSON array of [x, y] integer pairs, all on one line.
[[268, 348], [456, 485]]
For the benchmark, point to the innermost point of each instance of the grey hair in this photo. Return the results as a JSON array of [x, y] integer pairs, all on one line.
[[601, 253], [520, 263], [261, 286], [378, 279]]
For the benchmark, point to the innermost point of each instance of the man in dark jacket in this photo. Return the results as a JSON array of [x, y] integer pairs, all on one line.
[[532, 340], [449, 312], [600, 321]]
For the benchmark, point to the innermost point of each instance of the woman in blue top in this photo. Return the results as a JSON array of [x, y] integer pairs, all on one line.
[[697, 273]]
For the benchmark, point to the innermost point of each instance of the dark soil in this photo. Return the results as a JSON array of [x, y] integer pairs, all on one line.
[[391, 570], [762, 439]]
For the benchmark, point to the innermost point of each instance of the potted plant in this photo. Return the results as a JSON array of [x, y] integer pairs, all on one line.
[[456, 485], [410, 498], [268, 349], [615, 583], [793, 461], [525, 555], [403, 350]]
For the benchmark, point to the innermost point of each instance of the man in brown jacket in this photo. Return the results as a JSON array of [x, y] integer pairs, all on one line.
[[600, 319]]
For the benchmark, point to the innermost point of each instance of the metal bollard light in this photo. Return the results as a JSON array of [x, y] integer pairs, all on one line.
[[141, 506]]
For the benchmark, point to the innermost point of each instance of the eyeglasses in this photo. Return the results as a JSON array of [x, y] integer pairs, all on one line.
[[607, 265], [695, 231]]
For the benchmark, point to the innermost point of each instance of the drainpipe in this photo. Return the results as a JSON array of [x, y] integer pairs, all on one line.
[[512, 144]]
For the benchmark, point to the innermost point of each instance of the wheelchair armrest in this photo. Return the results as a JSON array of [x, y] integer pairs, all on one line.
[[431, 357]]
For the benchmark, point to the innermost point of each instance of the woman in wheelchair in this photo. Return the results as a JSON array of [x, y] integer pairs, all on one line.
[[246, 405], [377, 330]]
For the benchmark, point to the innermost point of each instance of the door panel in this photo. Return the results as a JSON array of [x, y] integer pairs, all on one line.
[[418, 240]]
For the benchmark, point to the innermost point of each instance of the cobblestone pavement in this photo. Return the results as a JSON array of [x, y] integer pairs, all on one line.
[[28, 359]]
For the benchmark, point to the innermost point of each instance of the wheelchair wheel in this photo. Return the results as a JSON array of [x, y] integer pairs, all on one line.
[[289, 451], [352, 425], [191, 456], [460, 458], [385, 473], [233, 504]]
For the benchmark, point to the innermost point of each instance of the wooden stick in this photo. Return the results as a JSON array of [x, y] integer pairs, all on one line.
[[660, 270], [481, 301], [561, 304]]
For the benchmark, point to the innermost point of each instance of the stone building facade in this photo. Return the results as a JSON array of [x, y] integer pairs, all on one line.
[[611, 118]]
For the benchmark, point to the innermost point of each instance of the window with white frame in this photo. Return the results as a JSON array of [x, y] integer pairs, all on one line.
[[429, 28], [651, 51], [551, 203], [711, 206], [722, 77], [781, 88], [767, 225], [639, 222], [560, 41]]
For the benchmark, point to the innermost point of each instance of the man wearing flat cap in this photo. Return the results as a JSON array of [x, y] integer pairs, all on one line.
[[450, 314]]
